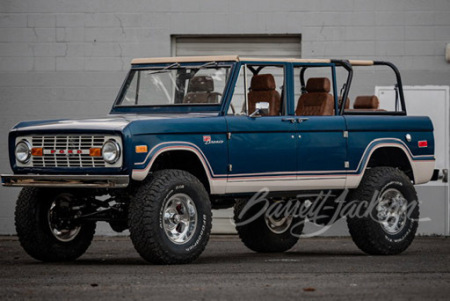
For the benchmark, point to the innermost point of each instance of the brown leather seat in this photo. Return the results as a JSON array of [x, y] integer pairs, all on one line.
[[317, 101], [200, 90], [262, 89], [365, 102]]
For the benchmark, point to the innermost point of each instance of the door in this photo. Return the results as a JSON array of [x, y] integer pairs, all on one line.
[[262, 145], [322, 141], [322, 152]]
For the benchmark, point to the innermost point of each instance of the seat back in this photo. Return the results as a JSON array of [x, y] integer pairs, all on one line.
[[366, 102], [317, 101], [200, 90], [262, 89]]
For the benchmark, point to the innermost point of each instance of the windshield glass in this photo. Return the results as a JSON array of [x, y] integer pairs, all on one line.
[[175, 86]]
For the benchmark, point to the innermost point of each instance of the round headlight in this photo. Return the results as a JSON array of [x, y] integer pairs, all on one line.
[[111, 151], [23, 151]]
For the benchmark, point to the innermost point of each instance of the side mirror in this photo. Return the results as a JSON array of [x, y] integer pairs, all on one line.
[[262, 108]]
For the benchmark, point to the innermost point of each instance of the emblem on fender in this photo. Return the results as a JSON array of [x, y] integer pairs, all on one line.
[[207, 140]]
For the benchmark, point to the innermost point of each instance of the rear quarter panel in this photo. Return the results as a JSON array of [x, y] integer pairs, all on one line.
[[368, 133]]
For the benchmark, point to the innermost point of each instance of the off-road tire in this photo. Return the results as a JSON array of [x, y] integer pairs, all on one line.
[[146, 218], [258, 237], [33, 230], [366, 230]]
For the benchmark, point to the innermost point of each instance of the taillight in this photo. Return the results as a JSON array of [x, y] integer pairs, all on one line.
[[423, 143]]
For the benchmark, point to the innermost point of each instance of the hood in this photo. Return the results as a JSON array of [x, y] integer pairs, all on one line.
[[108, 123]]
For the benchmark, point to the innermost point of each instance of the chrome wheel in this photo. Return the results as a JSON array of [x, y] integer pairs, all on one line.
[[392, 211], [180, 218], [278, 225], [59, 227]]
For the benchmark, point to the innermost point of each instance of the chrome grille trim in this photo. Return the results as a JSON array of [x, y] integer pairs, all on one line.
[[64, 143]]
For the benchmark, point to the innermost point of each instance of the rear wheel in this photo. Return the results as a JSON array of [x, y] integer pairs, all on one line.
[[47, 228], [388, 214], [266, 233]]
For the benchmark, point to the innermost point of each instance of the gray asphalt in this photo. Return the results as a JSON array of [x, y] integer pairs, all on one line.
[[316, 268]]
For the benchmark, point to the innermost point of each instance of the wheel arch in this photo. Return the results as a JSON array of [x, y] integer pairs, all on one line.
[[186, 159], [392, 156]]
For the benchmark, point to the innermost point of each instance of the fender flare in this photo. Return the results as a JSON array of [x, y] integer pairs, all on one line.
[[140, 174]]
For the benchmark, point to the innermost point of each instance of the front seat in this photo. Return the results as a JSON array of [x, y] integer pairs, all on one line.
[[262, 89], [317, 101], [200, 90]]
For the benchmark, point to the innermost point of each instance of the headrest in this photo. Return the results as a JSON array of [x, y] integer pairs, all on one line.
[[201, 84], [262, 82], [318, 84], [366, 102]]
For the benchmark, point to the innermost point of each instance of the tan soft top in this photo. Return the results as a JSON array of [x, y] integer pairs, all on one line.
[[235, 58]]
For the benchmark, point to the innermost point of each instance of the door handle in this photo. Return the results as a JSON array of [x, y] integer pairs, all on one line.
[[300, 120], [291, 120]]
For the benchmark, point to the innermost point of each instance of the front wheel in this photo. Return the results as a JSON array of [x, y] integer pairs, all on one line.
[[47, 227], [386, 219], [170, 218]]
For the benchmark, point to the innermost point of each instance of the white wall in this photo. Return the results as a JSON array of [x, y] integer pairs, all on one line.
[[65, 58]]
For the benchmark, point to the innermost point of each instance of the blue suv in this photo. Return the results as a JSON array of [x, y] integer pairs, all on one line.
[[282, 140]]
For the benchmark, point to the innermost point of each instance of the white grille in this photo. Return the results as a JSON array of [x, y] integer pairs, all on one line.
[[67, 151]]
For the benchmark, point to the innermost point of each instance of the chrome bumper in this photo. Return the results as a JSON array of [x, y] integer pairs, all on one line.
[[87, 181]]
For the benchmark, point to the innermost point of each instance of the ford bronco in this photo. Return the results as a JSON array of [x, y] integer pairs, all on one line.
[[190, 134]]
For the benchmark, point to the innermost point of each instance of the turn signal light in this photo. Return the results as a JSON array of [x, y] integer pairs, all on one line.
[[141, 149], [37, 151], [95, 152]]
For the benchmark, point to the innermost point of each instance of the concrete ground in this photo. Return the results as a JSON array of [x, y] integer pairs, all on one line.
[[318, 268]]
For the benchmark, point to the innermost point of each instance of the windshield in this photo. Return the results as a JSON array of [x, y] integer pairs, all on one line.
[[175, 86]]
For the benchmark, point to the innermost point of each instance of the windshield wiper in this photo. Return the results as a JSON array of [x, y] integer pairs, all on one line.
[[213, 63], [165, 69], [157, 71], [172, 65]]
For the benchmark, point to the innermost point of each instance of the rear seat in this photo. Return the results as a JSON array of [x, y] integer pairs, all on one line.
[[318, 101], [366, 103]]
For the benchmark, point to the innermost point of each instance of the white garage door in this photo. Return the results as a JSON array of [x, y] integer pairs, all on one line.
[[250, 46], [246, 46]]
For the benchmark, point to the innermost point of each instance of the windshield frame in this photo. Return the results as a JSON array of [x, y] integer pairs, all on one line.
[[178, 107]]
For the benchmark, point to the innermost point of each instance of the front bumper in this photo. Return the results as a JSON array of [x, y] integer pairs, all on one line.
[[86, 181]]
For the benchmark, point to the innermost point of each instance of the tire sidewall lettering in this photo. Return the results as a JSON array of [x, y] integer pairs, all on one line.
[[200, 236], [196, 239]]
